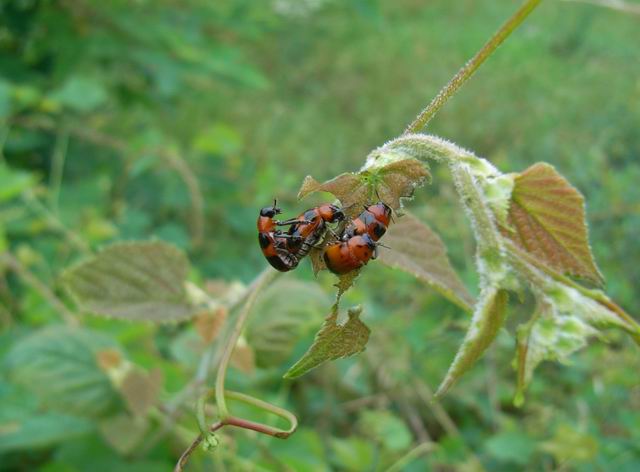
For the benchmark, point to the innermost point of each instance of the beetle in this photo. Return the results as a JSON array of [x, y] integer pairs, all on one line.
[[353, 253], [311, 227], [273, 242], [285, 250], [373, 221]]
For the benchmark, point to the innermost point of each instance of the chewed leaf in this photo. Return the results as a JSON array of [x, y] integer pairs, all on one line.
[[416, 249], [333, 341], [399, 180], [547, 219], [134, 281], [487, 320], [390, 182], [351, 189]]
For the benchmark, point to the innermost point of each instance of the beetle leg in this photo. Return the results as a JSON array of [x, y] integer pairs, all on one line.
[[292, 221]]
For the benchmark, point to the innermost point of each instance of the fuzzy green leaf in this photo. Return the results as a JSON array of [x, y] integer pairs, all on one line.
[[60, 366], [333, 341], [487, 320], [416, 249], [133, 281], [288, 310], [41, 431], [547, 219], [564, 322]]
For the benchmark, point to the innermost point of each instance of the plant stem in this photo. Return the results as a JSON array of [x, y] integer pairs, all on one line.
[[266, 276], [470, 67], [414, 453], [36, 284], [57, 168], [192, 447]]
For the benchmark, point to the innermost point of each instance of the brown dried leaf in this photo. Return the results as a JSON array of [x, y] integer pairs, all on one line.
[[141, 389], [109, 359], [209, 323], [416, 249], [243, 357], [547, 219]]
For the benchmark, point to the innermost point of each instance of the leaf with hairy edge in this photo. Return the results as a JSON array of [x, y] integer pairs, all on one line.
[[547, 219], [351, 189], [399, 180], [133, 281], [389, 183], [416, 249], [487, 320], [333, 341]]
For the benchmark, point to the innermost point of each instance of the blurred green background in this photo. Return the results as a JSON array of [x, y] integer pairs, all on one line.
[[127, 120]]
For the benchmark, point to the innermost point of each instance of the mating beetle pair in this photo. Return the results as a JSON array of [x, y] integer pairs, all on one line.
[[350, 250]]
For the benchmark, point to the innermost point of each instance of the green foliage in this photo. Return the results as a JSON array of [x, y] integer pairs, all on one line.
[[333, 341], [181, 120], [60, 366]]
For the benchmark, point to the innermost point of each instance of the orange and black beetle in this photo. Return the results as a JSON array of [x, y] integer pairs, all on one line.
[[285, 250], [311, 228], [373, 221], [273, 242], [350, 254]]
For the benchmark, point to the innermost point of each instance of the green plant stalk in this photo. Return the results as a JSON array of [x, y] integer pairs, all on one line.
[[265, 277], [472, 66], [57, 168]]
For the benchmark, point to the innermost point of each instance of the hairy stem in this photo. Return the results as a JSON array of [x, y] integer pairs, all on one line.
[[470, 67]]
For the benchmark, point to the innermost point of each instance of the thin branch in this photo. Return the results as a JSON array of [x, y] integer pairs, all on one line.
[[470, 67], [184, 458], [30, 279], [265, 277], [32, 202], [413, 454], [57, 168]]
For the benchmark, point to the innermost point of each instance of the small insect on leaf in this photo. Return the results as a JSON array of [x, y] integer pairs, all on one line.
[[333, 341], [547, 219]]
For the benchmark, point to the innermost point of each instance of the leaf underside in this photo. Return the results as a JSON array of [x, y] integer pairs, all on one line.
[[133, 281], [487, 320], [416, 249], [333, 341], [547, 219]]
